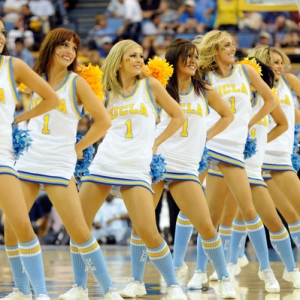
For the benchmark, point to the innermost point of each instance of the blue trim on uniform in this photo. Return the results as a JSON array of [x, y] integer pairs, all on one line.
[[157, 110], [43, 179], [255, 181], [246, 73], [286, 81], [226, 159], [116, 181], [5, 170], [12, 81], [64, 82], [215, 173], [170, 176], [78, 112], [277, 167]]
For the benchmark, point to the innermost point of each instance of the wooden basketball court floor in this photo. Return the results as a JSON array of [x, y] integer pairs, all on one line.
[[59, 276]]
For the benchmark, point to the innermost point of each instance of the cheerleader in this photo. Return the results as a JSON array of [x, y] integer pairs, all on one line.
[[25, 252]]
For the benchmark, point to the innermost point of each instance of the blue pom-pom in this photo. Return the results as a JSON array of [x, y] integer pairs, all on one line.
[[158, 168], [250, 147], [204, 163], [296, 136], [83, 164], [296, 161], [21, 141]]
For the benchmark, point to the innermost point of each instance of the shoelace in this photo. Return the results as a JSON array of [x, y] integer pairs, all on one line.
[[270, 277]]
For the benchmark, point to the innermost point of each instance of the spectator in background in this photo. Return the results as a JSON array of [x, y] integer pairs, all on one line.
[[111, 222], [99, 31], [207, 9], [190, 20], [250, 22], [169, 18], [115, 9], [132, 27], [12, 12], [149, 7], [227, 15], [22, 52], [19, 32]]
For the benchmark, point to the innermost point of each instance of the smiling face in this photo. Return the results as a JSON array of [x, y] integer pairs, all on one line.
[[65, 53], [226, 51], [132, 61], [277, 65], [2, 36], [189, 64]]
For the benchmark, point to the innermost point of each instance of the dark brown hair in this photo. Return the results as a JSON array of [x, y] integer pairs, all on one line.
[[53, 39]]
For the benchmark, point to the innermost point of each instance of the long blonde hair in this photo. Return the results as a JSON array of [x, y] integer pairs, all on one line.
[[207, 46], [111, 65], [264, 53]]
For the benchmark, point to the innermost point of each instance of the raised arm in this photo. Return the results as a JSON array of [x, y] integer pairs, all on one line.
[[24, 74], [171, 107], [87, 97]]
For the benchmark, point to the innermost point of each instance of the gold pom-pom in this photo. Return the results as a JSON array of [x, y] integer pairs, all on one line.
[[93, 75], [252, 62], [22, 87], [160, 69]]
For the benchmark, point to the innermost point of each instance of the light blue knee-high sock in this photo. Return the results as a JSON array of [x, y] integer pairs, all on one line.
[[257, 236], [32, 260], [21, 279], [225, 235], [162, 260], [183, 232], [213, 249], [238, 237], [282, 244], [138, 255], [202, 259], [80, 270], [295, 233], [93, 258], [242, 249]]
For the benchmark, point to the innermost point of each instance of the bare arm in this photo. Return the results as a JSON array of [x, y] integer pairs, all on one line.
[[24, 74], [95, 107], [281, 123], [263, 89], [222, 108], [171, 107]]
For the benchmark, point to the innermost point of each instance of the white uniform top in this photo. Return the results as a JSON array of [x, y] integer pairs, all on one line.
[[235, 90], [52, 152], [284, 143], [183, 150], [126, 151], [260, 132], [8, 100]]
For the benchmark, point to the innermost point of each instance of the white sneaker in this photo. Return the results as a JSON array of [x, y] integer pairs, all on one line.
[[233, 270], [243, 261], [197, 280], [175, 292], [225, 289], [16, 294], [181, 273], [133, 289], [43, 297], [112, 294], [293, 276], [213, 276], [75, 293], [271, 283]]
